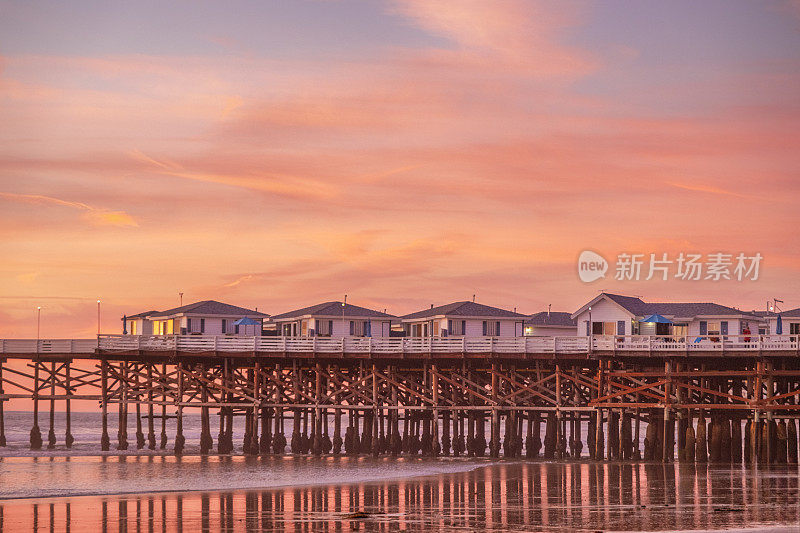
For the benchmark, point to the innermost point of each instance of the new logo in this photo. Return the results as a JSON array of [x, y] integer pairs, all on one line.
[[591, 266]]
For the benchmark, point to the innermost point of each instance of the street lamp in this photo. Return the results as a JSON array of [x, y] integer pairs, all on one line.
[[98, 316], [38, 322], [344, 324]]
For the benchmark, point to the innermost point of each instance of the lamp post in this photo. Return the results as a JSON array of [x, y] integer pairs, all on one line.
[[591, 328], [344, 324], [38, 325], [98, 316]]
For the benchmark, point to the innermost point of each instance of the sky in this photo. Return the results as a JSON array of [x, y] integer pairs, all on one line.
[[402, 152]]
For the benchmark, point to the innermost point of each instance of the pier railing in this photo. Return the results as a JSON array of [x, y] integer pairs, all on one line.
[[604, 344]]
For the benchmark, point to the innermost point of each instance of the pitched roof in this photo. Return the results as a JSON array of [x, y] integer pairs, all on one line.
[[553, 318], [210, 307], [333, 309], [791, 313], [464, 309], [639, 308], [139, 315]]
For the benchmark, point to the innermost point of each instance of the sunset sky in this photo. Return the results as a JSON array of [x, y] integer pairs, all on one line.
[[407, 152]]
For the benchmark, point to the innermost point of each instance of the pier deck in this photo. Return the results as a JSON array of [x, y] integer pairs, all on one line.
[[729, 398]]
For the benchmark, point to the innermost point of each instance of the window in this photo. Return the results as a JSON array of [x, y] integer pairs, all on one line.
[[794, 328], [304, 328], [324, 327], [132, 327], [604, 328], [491, 329], [189, 325], [456, 327], [620, 327], [357, 328], [202, 325], [224, 326]]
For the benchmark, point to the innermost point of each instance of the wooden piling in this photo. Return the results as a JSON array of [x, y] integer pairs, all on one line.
[[180, 440], [163, 437], [2, 413], [51, 434], [206, 442], [151, 429], [494, 442], [139, 433], [122, 420], [701, 446], [105, 442], [36, 433]]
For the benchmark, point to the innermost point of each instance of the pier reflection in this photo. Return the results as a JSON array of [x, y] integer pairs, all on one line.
[[507, 496]]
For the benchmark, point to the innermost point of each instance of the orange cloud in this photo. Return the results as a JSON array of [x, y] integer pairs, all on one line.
[[97, 216]]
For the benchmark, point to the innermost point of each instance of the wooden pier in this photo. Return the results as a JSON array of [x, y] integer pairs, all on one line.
[[732, 398]]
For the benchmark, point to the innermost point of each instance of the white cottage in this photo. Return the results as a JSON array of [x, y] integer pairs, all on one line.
[[334, 319], [790, 322], [208, 317], [614, 314], [467, 319]]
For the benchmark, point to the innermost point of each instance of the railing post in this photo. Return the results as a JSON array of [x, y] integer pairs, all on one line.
[[463, 345]]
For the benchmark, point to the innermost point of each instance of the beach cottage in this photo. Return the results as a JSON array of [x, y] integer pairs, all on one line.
[[208, 317], [334, 319], [551, 324], [614, 314], [468, 319], [790, 322]]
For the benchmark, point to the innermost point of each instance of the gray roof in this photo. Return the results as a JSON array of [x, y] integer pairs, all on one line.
[[139, 315], [465, 309], [333, 309], [553, 318], [209, 307], [791, 313], [639, 308]]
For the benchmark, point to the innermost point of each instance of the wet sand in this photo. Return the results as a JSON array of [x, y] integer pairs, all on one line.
[[501, 496]]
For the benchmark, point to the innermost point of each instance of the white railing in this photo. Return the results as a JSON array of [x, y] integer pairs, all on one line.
[[629, 344]]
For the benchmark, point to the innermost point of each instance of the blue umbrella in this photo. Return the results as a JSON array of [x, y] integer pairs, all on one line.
[[779, 327], [246, 321], [657, 319]]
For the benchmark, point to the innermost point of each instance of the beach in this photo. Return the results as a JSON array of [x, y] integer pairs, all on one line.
[[162, 493]]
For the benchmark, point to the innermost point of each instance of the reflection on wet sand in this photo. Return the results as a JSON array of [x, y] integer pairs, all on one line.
[[507, 496]]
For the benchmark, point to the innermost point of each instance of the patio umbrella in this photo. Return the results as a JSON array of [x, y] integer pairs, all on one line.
[[658, 319], [779, 327], [246, 321]]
